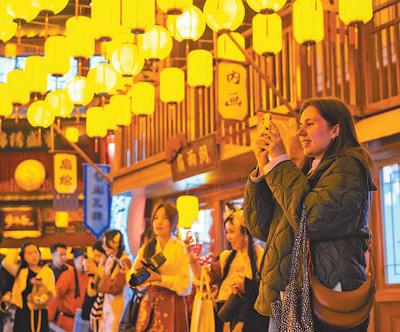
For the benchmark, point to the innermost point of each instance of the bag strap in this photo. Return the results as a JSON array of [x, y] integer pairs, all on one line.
[[204, 285]]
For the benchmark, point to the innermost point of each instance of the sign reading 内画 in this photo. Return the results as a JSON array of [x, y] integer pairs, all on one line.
[[65, 173], [20, 222], [97, 199]]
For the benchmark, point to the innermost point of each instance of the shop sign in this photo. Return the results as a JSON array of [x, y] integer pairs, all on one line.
[[97, 199], [20, 222], [65, 173]]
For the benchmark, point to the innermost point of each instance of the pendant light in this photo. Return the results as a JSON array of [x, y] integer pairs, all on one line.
[[172, 85], [120, 106], [7, 29], [190, 25], [6, 106], [103, 78], [18, 87], [138, 15], [188, 210], [59, 103], [80, 36], [143, 95], [106, 18], [267, 34], [51, 6], [200, 68], [174, 7], [156, 44], [224, 15], [228, 50], [80, 90], [57, 55], [266, 6], [355, 11], [308, 21], [127, 60], [96, 122], [39, 114], [36, 73]]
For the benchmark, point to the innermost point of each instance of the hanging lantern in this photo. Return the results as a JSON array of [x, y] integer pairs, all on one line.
[[267, 34], [123, 36], [10, 50], [7, 29], [106, 18], [18, 87], [121, 109], [143, 94], [56, 52], [138, 15], [51, 6], [59, 103], [110, 115], [103, 78], [22, 10], [266, 6], [80, 36], [72, 134], [96, 122], [39, 114], [174, 7], [61, 219], [80, 90], [6, 106], [172, 85], [36, 72], [30, 174], [224, 15], [355, 11], [200, 68], [189, 25], [127, 60], [188, 210], [228, 50], [156, 43], [310, 30]]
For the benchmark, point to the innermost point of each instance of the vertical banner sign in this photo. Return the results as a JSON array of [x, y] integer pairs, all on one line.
[[97, 201], [65, 173]]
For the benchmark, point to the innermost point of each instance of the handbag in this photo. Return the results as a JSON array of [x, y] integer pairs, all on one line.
[[129, 317], [292, 312]]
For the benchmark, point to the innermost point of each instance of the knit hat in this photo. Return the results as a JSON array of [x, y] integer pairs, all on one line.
[[77, 252]]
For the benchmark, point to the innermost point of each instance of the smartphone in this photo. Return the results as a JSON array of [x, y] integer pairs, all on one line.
[[265, 123]]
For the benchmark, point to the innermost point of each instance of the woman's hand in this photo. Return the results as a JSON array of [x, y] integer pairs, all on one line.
[[275, 146], [238, 287], [261, 151]]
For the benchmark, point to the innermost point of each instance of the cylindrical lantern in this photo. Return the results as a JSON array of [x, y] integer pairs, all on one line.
[[103, 78], [6, 106], [39, 114], [80, 36], [156, 43], [110, 115], [308, 21], [23, 10], [172, 85], [223, 15], [123, 36], [200, 68], [36, 73], [174, 7], [266, 6], [228, 50], [61, 219], [56, 52], [188, 26], [267, 34], [106, 18], [127, 60], [80, 90], [121, 107], [143, 94], [138, 15], [51, 6], [96, 122], [355, 11], [188, 210], [59, 103], [72, 134], [18, 87], [7, 29]]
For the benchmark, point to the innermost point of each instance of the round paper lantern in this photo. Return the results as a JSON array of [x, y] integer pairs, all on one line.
[[80, 90], [6, 106], [121, 109], [224, 15], [7, 29], [23, 10], [61, 219], [228, 50], [59, 103], [127, 60], [267, 34], [172, 85], [36, 72], [143, 94], [18, 87], [39, 114], [123, 36], [156, 44], [51, 6], [57, 55], [106, 18], [308, 21], [80, 36], [103, 78], [174, 7], [138, 15], [266, 6], [96, 122], [355, 11], [190, 25], [200, 68], [30, 174], [72, 134], [188, 210]]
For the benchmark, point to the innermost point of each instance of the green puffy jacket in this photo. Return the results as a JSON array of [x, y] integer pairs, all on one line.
[[336, 198]]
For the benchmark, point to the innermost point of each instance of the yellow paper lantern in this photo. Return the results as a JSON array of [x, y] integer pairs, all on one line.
[[200, 68], [103, 78], [30, 174], [143, 94], [56, 52], [188, 210], [6, 106], [18, 87], [190, 25], [72, 134], [228, 50], [96, 122], [355, 11], [110, 115], [36, 73], [138, 15], [224, 15], [59, 103], [172, 85], [80, 90], [23, 10], [39, 114], [127, 60], [61, 219], [51, 6], [121, 109], [7, 29], [80, 36], [123, 36], [174, 7], [10, 50], [156, 44], [308, 21], [106, 18], [267, 34], [266, 6]]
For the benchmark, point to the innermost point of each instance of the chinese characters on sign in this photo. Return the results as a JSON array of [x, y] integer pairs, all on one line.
[[97, 201], [21, 139], [198, 157], [65, 173], [232, 91], [20, 222]]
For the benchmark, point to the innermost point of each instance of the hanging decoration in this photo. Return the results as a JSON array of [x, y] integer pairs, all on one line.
[[7, 29], [123, 36], [80, 91], [30, 174], [190, 25], [355, 11], [51, 6], [266, 6], [6, 106], [106, 18], [61, 219], [22, 10], [72, 134], [200, 68], [138, 15], [18, 87], [311, 30], [188, 210], [57, 55], [59, 103], [36, 71], [127, 60], [96, 122], [80, 36], [120, 106], [172, 85], [267, 34], [156, 44], [224, 15], [40, 115], [103, 78], [174, 7], [228, 50], [143, 95]]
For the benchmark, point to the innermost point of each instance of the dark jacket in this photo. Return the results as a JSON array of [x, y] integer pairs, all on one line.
[[336, 198]]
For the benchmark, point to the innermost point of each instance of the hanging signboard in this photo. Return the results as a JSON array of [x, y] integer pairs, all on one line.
[[20, 222], [65, 173]]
